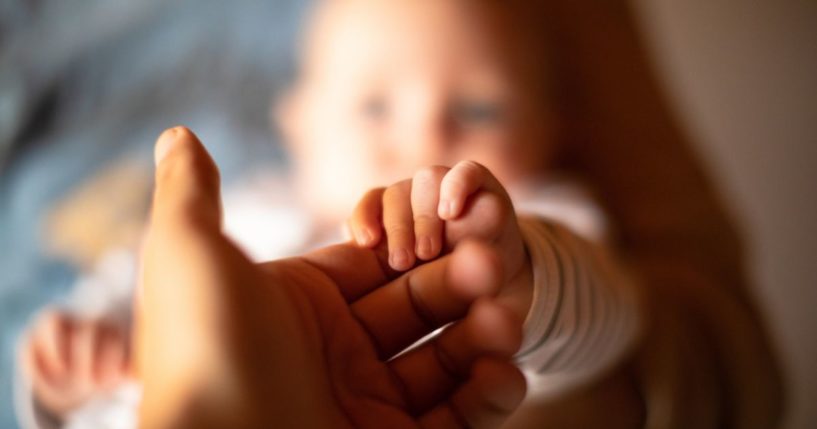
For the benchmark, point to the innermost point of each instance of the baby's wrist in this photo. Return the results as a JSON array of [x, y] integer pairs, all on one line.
[[518, 294]]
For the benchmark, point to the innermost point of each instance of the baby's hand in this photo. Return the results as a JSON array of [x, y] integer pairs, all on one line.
[[69, 361], [429, 214]]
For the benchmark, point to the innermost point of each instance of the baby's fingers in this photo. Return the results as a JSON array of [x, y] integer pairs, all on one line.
[[49, 343], [110, 356], [364, 224], [84, 342], [425, 196], [398, 222], [466, 178]]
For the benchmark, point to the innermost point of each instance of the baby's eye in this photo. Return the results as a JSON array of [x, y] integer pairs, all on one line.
[[375, 109], [476, 113]]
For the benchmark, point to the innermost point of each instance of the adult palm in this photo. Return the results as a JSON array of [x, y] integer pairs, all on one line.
[[311, 341]]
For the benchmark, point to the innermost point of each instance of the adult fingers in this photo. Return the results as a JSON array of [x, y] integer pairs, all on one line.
[[355, 270], [428, 227], [188, 265], [427, 297], [431, 371], [187, 183], [185, 226], [494, 391]]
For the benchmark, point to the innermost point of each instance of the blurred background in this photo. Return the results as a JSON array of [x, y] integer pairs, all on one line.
[[743, 76], [88, 84]]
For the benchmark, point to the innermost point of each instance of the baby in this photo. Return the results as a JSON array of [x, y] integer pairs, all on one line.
[[389, 92]]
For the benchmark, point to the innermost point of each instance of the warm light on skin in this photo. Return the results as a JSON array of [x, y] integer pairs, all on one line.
[[387, 88]]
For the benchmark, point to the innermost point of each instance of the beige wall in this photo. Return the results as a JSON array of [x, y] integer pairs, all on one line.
[[743, 75]]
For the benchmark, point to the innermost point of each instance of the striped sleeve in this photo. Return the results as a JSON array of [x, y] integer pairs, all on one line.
[[584, 316]]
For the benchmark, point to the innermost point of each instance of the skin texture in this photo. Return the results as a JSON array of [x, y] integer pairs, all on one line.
[[306, 342]]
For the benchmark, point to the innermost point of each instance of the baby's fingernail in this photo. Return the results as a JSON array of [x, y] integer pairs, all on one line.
[[424, 247], [400, 259]]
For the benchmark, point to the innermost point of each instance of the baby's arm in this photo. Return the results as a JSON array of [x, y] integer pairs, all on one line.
[[580, 310]]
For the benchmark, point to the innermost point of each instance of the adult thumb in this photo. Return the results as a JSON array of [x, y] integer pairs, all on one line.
[[185, 271], [187, 193]]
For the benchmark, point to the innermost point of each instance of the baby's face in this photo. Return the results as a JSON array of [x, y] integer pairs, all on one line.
[[388, 87]]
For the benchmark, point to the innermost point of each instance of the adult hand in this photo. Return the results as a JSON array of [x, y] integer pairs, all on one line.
[[312, 341]]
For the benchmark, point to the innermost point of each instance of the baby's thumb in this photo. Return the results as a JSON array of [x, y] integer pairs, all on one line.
[[187, 184]]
